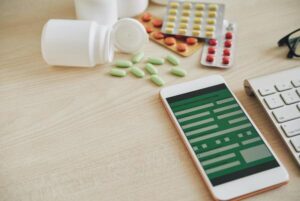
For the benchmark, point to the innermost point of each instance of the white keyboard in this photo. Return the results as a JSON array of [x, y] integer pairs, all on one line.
[[279, 94]]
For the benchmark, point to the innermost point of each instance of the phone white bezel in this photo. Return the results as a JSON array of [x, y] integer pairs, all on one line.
[[239, 187]]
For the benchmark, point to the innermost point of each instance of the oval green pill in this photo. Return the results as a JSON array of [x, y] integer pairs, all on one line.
[[123, 63], [151, 69], [178, 71], [157, 80], [118, 72], [137, 57], [156, 61], [173, 60], [137, 72]]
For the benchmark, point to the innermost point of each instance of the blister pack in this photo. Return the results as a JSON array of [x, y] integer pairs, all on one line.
[[197, 19], [220, 52], [184, 46]]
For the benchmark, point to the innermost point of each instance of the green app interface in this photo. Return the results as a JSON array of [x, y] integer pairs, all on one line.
[[221, 135]]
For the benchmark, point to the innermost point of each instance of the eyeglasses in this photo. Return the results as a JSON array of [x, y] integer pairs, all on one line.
[[292, 40]]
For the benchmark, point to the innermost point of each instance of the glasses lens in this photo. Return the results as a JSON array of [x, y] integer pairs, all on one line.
[[294, 41]]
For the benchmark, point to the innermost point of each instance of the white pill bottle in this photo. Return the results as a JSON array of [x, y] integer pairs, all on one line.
[[80, 43], [107, 12]]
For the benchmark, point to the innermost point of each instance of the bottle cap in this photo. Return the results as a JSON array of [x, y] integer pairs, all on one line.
[[129, 36]]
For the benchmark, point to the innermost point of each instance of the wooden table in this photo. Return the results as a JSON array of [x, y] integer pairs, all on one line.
[[79, 134]]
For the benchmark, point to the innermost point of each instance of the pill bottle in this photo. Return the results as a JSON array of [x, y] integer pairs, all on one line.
[[82, 43], [105, 12], [131, 8]]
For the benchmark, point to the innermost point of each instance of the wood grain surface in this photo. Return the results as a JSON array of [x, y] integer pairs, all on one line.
[[79, 134]]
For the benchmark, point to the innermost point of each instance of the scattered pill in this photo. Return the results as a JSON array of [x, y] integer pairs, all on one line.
[[123, 64], [146, 17], [184, 19], [210, 58], [180, 72], [227, 43], [211, 21], [171, 18], [212, 42], [225, 60], [173, 60], [182, 31], [118, 72], [137, 57], [137, 72], [212, 14], [200, 6], [151, 69], [158, 35], [211, 50], [228, 35], [157, 23], [197, 20], [181, 47], [173, 12], [149, 29], [198, 13], [191, 41], [226, 52], [213, 7], [156, 61], [170, 41], [157, 80]]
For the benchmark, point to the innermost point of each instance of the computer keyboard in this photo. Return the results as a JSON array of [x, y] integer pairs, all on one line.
[[279, 94]]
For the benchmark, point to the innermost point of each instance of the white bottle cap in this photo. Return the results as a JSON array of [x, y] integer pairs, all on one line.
[[129, 35]]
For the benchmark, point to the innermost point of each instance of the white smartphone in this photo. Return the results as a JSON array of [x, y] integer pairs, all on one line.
[[227, 148]]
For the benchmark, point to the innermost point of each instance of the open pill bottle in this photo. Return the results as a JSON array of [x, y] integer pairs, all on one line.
[[82, 43]]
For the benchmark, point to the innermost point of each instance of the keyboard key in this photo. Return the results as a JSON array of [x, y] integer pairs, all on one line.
[[283, 86], [296, 83], [291, 128], [296, 143], [273, 101], [286, 113], [290, 97], [266, 91]]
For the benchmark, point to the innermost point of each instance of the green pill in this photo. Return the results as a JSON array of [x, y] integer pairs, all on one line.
[[151, 69], [178, 71], [156, 61], [123, 63], [157, 80], [118, 72], [173, 60], [137, 72], [137, 57]]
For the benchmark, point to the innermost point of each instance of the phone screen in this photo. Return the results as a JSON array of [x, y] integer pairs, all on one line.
[[221, 135]]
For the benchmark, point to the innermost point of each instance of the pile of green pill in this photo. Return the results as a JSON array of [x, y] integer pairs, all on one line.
[[150, 67]]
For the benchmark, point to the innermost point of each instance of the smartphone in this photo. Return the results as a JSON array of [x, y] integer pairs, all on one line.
[[232, 156]]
